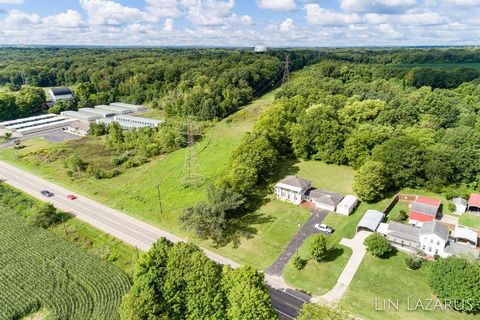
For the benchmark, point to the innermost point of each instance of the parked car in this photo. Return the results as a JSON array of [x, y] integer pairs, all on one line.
[[46, 193], [324, 228], [71, 197]]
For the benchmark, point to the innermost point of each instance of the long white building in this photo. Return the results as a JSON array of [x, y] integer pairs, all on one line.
[[142, 122], [97, 112], [133, 107], [25, 120], [80, 115], [116, 110]]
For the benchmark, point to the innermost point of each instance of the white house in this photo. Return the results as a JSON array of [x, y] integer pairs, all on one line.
[[434, 238], [60, 93], [292, 189], [323, 199], [347, 205]]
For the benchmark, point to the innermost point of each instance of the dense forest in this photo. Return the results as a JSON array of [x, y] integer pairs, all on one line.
[[206, 84], [395, 135]]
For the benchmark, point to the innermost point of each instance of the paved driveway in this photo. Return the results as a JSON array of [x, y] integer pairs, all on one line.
[[358, 252], [307, 229]]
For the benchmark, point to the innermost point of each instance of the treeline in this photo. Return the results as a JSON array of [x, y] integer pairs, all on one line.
[[204, 83], [177, 281], [395, 135], [26, 102]]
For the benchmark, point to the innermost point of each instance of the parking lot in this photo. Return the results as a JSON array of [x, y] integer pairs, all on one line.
[[55, 135]]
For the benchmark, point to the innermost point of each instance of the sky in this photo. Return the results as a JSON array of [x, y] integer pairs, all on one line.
[[274, 23]]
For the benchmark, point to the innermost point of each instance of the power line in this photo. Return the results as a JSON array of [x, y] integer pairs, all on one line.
[[286, 70], [191, 176]]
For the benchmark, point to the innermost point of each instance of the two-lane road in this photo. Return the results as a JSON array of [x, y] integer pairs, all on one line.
[[122, 226]]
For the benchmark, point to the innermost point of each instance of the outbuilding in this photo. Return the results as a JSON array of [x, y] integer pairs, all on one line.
[[474, 203], [460, 205], [370, 221], [424, 210], [79, 128], [347, 205], [62, 93], [466, 235]]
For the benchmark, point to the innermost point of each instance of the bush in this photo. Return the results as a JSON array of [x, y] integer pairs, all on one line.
[[44, 215], [401, 216], [298, 262], [377, 245], [451, 207], [414, 262]]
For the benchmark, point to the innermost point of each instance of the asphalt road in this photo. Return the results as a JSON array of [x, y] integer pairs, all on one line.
[[125, 228], [305, 231]]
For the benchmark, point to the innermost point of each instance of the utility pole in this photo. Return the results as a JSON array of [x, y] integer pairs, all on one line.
[[286, 70], [159, 198]]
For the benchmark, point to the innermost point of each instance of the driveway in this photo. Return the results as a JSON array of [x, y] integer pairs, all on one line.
[[358, 252], [307, 230]]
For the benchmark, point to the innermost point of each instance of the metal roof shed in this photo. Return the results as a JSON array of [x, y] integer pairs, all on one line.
[[347, 205], [370, 221], [463, 234]]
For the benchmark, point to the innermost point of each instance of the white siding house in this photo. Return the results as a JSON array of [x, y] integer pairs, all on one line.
[[292, 189], [434, 238]]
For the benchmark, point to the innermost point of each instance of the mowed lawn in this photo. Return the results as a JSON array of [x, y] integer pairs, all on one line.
[[470, 220], [261, 235], [391, 279]]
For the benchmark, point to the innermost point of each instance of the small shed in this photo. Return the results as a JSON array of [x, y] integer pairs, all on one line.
[[460, 205], [474, 203], [466, 235], [63, 93], [370, 221], [347, 205]]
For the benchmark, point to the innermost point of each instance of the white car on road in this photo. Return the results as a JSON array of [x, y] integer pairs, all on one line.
[[323, 227]]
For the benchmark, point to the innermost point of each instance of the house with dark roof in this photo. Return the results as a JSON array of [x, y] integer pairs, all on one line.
[[424, 210], [292, 189], [62, 93], [403, 234], [474, 203], [323, 199], [434, 238]]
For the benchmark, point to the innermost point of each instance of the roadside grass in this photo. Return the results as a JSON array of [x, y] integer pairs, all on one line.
[[317, 278], [390, 279], [470, 220], [99, 243]]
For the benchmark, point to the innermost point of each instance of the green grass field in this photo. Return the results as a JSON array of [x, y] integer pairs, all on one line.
[[40, 271], [470, 220], [391, 279], [317, 278]]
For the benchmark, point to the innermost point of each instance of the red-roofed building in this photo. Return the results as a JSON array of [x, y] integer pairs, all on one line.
[[424, 209], [474, 203]]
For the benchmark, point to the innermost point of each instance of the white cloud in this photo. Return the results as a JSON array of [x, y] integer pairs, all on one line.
[[16, 18], [106, 12], [421, 19], [68, 19], [279, 5], [379, 6], [163, 8], [287, 25], [209, 12], [389, 31], [168, 26], [244, 19], [321, 16]]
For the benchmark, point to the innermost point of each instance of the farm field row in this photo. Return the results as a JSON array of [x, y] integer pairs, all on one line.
[[41, 271]]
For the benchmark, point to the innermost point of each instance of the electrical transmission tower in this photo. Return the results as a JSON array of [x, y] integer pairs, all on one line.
[[286, 70], [191, 175]]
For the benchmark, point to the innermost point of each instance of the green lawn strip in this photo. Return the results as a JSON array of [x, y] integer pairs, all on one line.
[[470, 220], [317, 278], [399, 206], [99, 243], [391, 279]]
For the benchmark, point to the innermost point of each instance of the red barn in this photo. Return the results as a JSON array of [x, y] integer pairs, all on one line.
[[424, 209], [474, 202]]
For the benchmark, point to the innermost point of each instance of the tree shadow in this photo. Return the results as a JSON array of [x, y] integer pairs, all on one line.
[[334, 253], [242, 228], [392, 253]]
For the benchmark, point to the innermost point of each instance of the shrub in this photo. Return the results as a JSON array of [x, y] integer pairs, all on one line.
[[298, 262], [377, 245], [44, 215], [401, 216], [414, 262]]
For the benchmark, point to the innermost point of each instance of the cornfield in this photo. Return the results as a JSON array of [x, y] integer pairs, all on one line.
[[39, 270]]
